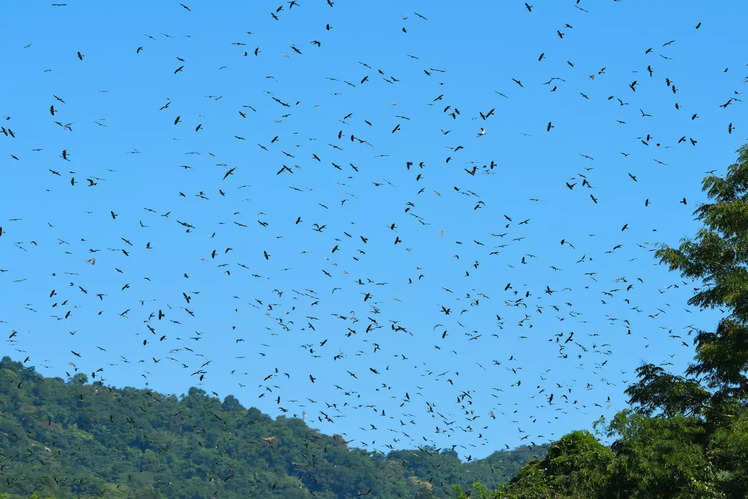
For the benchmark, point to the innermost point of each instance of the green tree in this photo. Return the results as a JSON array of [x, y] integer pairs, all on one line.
[[718, 257], [660, 457], [687, 435], [577, 464]]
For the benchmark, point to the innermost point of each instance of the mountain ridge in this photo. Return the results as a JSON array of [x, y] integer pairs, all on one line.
[[79, 439]]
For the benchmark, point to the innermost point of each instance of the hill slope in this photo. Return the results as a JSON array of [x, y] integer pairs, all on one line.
[[70, 439]]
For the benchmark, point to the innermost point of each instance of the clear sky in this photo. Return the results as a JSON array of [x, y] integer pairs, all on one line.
[[184, 118]]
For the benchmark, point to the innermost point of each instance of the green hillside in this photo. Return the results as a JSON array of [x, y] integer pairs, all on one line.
[[81, 439]]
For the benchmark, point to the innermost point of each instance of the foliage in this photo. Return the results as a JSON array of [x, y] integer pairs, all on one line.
[[76, 439], [577, 462], [670, 394], [660, 457], [719, 258]]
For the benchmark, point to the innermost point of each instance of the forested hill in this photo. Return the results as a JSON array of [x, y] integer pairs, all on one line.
[[81, 439]]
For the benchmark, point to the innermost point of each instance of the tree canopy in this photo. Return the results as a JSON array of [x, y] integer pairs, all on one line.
[[78, 439]]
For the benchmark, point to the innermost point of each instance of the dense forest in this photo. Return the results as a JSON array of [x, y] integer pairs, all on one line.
[[79, 439]]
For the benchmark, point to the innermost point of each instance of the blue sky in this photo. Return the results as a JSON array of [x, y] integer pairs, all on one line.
[[379, 66]]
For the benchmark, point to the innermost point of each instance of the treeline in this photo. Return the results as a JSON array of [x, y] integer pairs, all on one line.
[[77, 439]]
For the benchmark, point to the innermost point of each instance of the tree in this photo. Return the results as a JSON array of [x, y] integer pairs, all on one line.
[[718, 257], [576, 463], [660, 457], [688, 435], [658, 390]]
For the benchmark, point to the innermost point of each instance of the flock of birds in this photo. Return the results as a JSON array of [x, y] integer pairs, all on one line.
[[361, 270]]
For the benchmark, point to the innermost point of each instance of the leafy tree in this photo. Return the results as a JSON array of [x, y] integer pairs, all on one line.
[[577, 462], [687, 436], [659, 391], [718, 257], [660, 457]]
